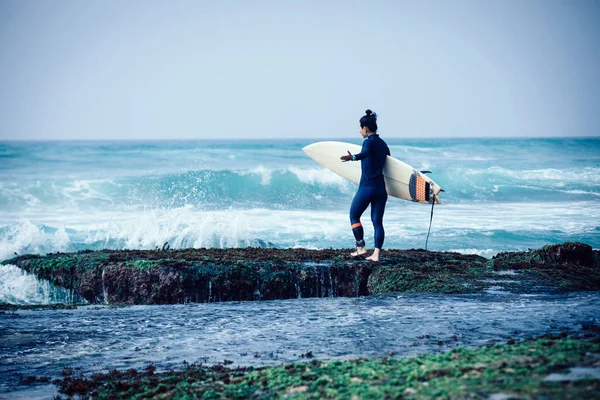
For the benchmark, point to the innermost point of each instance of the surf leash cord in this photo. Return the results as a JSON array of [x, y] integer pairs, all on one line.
[[430, 220]]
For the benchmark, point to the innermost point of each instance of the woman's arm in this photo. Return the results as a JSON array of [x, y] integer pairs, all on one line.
[[365, 152]]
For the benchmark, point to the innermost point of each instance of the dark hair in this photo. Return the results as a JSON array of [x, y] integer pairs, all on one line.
[[369, 120]]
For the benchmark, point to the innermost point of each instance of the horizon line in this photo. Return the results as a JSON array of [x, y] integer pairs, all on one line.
[[292, 138]]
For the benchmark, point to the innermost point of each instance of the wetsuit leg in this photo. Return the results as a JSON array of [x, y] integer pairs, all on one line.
[[361, 201], [377, 209]]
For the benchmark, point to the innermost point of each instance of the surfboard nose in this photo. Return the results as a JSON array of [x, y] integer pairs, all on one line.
[[309, 149]]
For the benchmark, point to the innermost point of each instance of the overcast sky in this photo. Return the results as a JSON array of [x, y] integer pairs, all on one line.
[[289, 69]]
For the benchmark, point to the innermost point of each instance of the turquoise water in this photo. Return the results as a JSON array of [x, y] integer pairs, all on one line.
[[500, 194]]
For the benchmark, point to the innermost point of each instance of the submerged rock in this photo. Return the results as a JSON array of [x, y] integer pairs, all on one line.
[[567, 267], [206, 275]]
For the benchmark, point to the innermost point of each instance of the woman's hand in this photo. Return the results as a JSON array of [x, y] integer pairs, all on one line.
[[346, 158]]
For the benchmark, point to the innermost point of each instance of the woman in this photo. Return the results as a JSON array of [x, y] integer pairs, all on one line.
[[372, 186]]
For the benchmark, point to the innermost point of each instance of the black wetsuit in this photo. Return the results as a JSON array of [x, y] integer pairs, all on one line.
[[371, 189]]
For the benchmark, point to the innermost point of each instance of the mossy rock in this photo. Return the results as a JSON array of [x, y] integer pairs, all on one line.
[[201, 275]]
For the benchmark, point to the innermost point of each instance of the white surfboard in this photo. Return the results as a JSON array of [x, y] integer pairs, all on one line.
[[401, 180]]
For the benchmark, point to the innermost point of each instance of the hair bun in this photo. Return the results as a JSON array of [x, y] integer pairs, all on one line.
[[369, 121]]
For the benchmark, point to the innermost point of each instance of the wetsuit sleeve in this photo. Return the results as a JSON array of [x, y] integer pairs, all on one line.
[[365, 152]]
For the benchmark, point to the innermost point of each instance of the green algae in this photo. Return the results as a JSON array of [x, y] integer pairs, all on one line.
[[144, 264], [438, 273], [518, 370]]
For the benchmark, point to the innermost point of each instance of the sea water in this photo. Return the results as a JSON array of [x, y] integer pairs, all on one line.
[[500, 194], [98, 338]]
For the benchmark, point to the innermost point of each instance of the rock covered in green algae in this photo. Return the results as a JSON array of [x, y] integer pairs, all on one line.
[[565, 255], [202, 275], [517, 370], [568, 266], [431, 272], [562, 267]]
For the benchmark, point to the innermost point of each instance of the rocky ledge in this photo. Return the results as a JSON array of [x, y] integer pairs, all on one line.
[[206, 275]]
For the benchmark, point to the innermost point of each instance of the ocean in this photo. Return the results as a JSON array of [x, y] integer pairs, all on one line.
[[500, 195], [509, 194]]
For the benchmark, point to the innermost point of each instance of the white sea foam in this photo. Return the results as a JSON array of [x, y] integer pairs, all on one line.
[[27, 237], [181, 227], [497, 290], [264, 173], [19, 287], [570, 218], [460, 227], [487, 253], [19, 194], [589, 175], [580, 192], [82, 190], [311, 176], [319, 176]]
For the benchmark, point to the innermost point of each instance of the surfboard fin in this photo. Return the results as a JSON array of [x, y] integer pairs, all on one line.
[[425, 172]]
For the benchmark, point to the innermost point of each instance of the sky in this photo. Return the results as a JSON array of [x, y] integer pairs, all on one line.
[[298, 69]]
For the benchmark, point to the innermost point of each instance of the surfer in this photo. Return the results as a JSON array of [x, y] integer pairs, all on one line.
[[371, 189]]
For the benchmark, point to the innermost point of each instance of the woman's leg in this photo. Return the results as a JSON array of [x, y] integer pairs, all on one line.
[[359, 205], [377, 210]]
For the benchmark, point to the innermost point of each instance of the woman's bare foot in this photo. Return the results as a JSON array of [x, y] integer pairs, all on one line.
[[360, 251], [375, 256]]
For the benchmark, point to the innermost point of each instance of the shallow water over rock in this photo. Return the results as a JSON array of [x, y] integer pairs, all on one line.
[[99, 338]]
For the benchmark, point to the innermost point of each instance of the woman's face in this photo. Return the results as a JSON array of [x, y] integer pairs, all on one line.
[[363, 131]]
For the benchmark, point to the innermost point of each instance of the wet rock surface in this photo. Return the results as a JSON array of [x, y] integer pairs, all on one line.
[[208, 275]]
